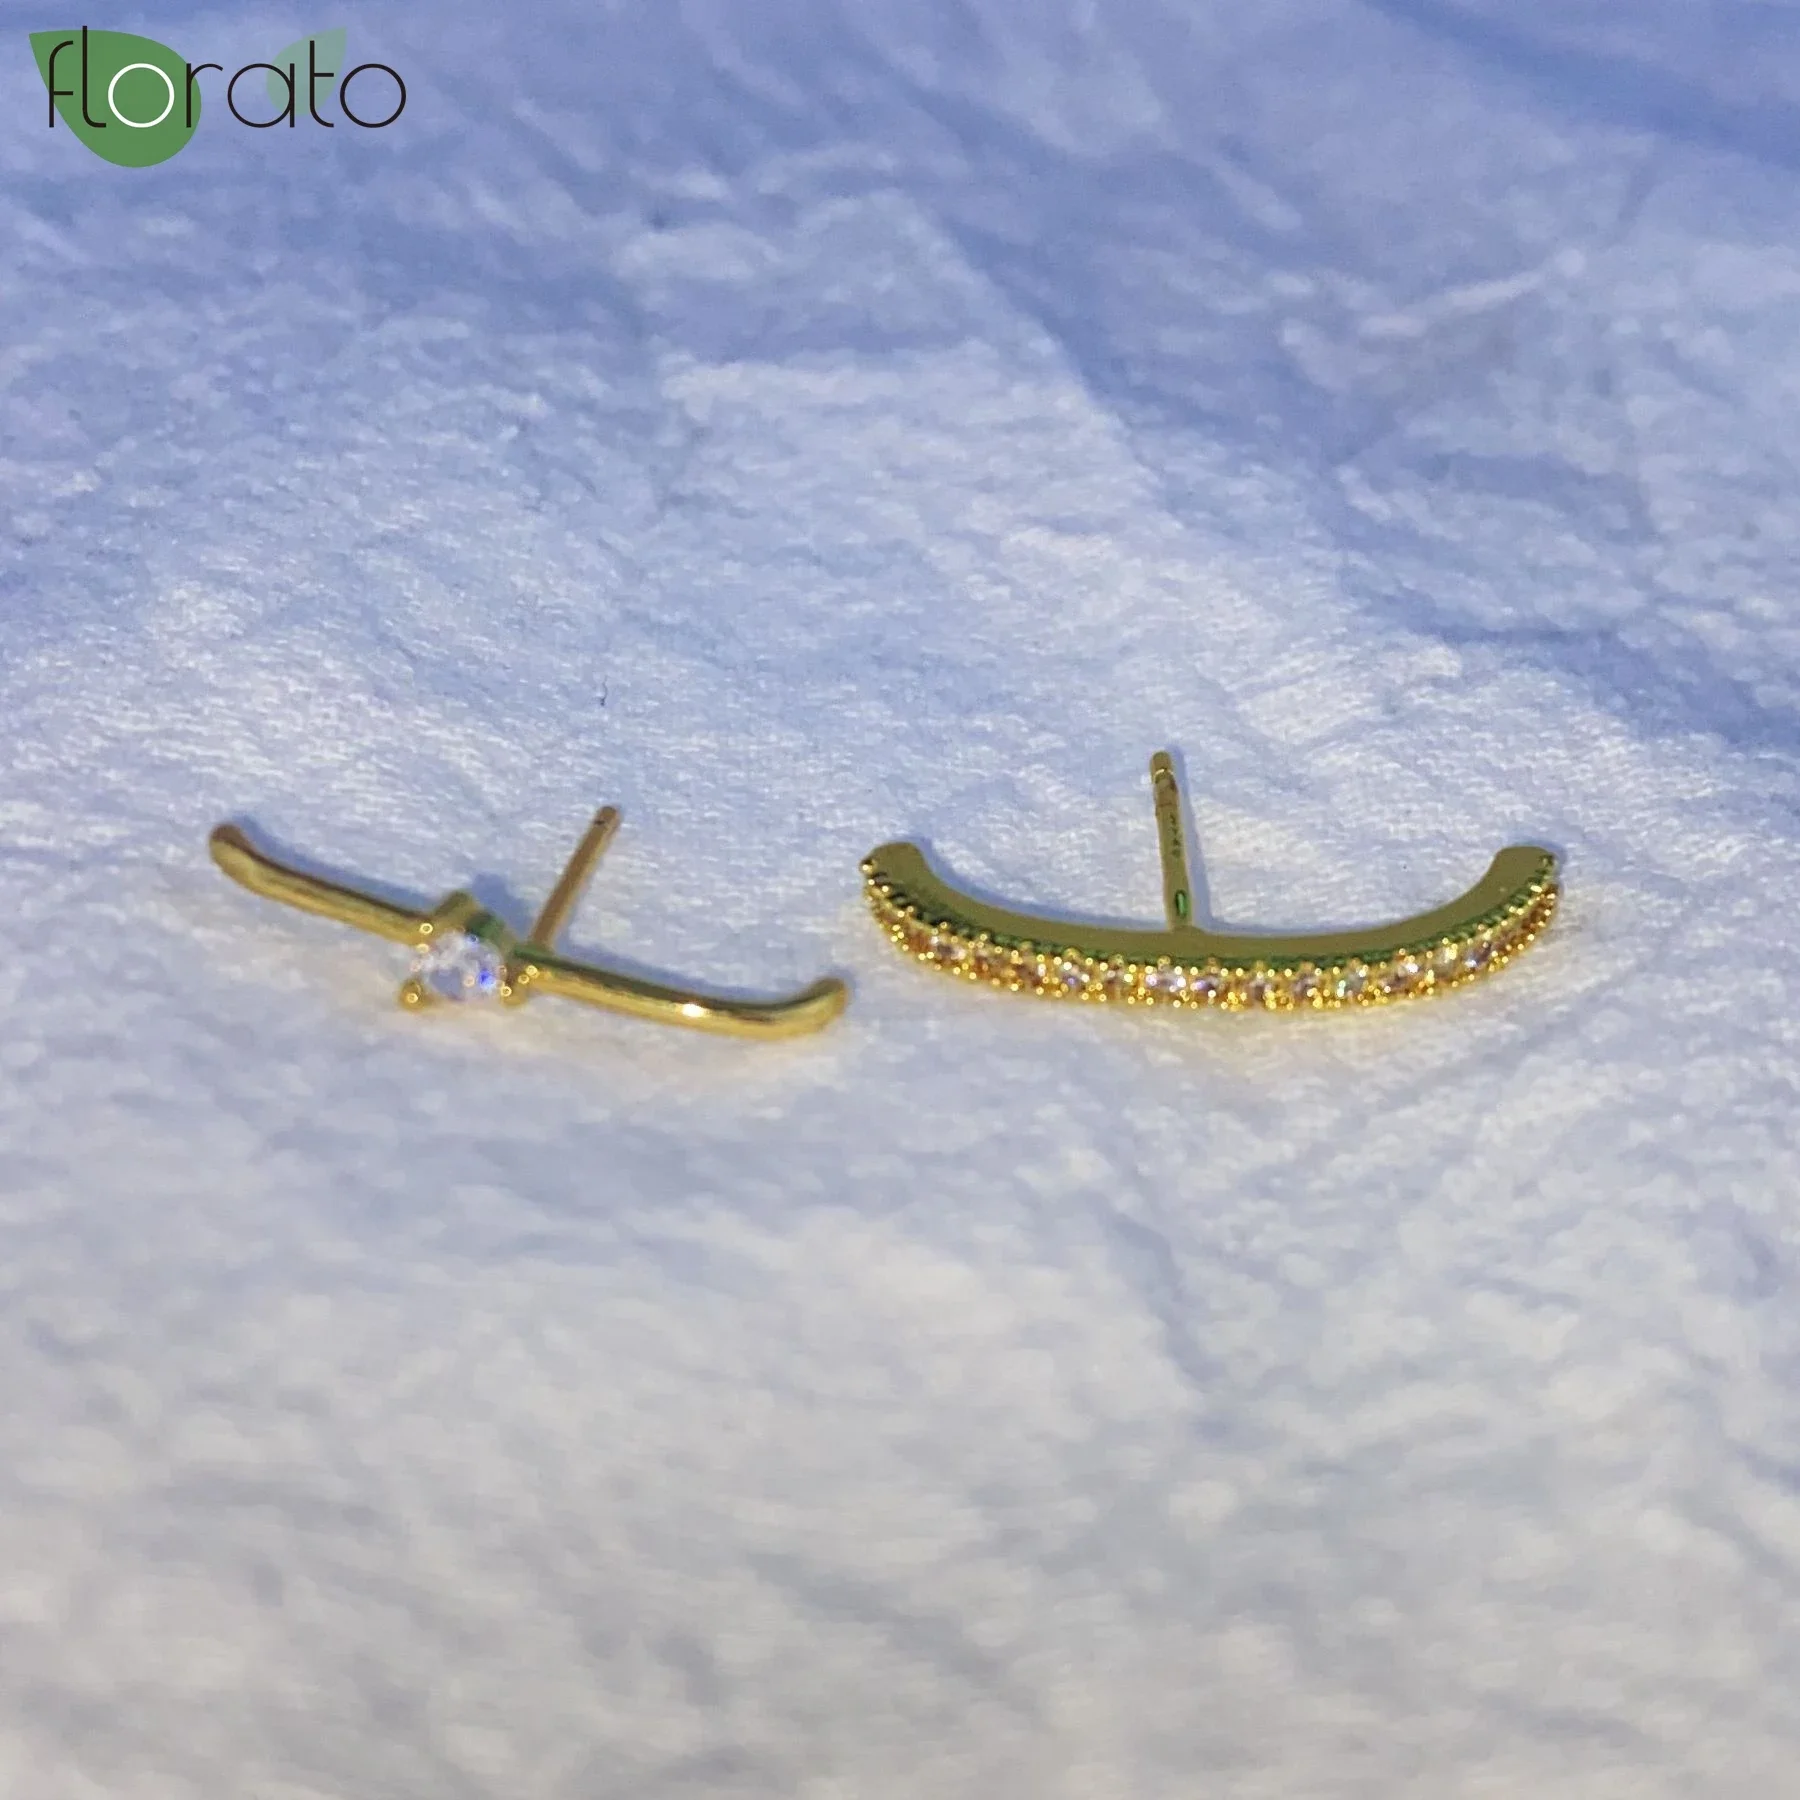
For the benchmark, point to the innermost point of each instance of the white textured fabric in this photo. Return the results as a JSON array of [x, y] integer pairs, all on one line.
[[812, 422]]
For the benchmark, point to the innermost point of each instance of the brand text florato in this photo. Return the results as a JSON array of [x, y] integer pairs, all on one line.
[[135, 101]]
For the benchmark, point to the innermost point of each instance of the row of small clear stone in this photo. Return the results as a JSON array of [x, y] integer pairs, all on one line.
[[1072, 975]]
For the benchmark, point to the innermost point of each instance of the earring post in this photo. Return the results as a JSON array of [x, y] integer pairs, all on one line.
[[1178, 892], [566, 895]]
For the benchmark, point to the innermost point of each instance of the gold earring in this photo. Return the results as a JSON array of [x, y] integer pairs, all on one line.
[[1186, 965], [461, 951]]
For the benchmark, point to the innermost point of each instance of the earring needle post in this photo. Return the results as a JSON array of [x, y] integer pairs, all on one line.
[[567, 893], [1177, 889]]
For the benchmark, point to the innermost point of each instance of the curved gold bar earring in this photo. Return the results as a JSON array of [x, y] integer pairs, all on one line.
[[462, 951], [1186, 965]]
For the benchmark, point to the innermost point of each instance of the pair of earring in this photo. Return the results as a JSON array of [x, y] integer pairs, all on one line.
[[463, 951]]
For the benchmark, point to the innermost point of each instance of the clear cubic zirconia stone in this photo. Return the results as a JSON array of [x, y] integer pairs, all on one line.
[[459, 967]]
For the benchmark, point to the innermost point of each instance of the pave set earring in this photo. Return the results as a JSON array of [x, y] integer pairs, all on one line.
[[462, 951], [1186, 965]]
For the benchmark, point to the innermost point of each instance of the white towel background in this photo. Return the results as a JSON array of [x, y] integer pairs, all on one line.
[[808, 423]]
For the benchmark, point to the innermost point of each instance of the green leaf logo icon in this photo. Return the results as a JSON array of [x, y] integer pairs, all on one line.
[[127, 98], [327, 59]]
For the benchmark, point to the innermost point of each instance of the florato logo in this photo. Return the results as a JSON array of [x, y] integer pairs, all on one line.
[[136, 102]]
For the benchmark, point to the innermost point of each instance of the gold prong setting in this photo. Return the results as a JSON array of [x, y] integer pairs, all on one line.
[[1061, 971]]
